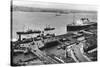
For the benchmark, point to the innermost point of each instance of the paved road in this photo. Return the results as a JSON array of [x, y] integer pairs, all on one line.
[[79, 54]]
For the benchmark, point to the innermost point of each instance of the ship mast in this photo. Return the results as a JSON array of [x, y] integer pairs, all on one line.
[[73, 18]]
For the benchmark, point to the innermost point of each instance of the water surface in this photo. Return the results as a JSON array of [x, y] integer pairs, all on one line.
[[39, 20]]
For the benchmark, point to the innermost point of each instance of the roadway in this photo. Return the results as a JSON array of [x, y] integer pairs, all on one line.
[[78, 54]]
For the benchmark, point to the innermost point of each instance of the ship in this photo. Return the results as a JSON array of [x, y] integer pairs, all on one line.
[[29, 32], [82, 24], [48, 28]]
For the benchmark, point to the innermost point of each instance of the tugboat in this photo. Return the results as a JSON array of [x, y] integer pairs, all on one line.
[[81, 24], [48, 28]]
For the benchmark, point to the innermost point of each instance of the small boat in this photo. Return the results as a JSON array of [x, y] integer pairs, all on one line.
[[48, 28]]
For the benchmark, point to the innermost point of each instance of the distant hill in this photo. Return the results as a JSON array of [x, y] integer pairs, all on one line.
[[36, 9]]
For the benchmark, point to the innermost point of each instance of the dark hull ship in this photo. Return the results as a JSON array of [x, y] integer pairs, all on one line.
[[83, 26], [78, 27], [29, 32]]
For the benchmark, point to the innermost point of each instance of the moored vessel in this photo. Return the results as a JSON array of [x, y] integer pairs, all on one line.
[[81, 24]]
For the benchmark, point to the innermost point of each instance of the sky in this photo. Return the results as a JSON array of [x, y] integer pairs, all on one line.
[[31, 3]]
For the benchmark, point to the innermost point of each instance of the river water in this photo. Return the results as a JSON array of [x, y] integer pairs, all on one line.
[[39, 20]]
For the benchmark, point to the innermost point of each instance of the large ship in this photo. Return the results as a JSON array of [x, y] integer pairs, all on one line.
[[81, 24]]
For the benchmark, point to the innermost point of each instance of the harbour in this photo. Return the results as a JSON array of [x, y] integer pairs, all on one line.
[[52, 36]]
